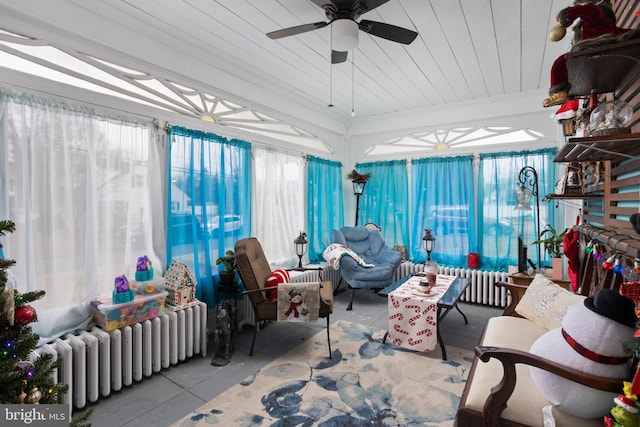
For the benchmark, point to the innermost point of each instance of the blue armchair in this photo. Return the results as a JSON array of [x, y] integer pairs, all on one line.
[[371, 247]]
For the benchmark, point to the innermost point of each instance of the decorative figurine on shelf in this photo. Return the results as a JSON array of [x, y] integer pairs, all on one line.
[[181, 285], [123, 291], [144, 270], [597, 26], [624, 414]]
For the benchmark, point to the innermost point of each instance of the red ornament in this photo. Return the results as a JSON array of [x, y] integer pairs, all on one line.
[[25, 315]]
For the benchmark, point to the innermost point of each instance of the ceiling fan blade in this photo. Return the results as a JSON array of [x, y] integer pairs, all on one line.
[[292, 31], [367, 5], [388, 31], [338, 57], [322, 3]]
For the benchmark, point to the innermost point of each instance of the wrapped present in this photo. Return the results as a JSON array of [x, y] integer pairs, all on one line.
[[144, 270], [122, 292]]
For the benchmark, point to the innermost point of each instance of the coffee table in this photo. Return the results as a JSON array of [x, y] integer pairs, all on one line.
[[445, 303]]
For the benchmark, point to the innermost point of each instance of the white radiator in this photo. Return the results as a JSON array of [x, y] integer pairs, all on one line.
[[96, 362], [481, 290]]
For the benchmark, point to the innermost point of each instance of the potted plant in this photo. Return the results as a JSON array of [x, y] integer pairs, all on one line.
[[552, 242], [228, 273]]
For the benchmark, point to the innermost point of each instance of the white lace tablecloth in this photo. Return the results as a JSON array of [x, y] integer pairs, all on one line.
[[413, 317]]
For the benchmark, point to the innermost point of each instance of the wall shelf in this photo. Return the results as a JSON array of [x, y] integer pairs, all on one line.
[[602, 69], [575, 197], [595, 148]]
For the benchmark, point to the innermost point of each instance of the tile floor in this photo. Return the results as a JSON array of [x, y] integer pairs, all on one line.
[[167, 396]]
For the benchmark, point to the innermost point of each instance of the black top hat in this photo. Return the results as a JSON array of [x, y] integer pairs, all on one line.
[[611, 304]]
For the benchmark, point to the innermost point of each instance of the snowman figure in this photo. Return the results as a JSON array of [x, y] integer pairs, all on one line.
[[297, 311], [590, 340]]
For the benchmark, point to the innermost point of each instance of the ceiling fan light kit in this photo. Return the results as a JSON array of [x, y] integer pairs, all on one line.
[[342, 16], [344, 35]]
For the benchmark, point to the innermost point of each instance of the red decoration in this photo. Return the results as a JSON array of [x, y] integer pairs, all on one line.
[[25, 315]]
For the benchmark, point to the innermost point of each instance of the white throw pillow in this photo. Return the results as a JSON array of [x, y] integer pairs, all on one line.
[[545, 302]]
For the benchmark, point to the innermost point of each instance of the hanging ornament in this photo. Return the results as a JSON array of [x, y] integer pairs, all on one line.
[[25, 315], [21, 397], [618, 268], [34, 396], [21, 365], [608, 264], [589, 247], [8, 302], [597, 251]]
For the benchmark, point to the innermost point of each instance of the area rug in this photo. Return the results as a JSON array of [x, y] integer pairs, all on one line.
[[366, 383]]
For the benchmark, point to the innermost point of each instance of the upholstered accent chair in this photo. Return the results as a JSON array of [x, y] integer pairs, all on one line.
[[254, 271], [372, 249]]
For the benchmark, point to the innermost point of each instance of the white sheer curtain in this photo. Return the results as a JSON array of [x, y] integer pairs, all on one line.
[[278, 203], [78, 187]]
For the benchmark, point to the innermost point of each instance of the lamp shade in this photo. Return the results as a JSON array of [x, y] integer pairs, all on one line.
[[358, 187], [429, 240], [301, 244], [344, 35], [523, 199]]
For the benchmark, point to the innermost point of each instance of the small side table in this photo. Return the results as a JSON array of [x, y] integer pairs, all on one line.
[[318, 269], [226, 324]]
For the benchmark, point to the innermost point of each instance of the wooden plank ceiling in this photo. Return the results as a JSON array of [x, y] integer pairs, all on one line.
[[466, 49]]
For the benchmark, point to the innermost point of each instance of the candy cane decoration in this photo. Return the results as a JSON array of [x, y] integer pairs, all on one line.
[[394, 302], [413, 342], [414, 307], [432, 307], [412, 321], [398, 329], [398, 316], [427, 332]]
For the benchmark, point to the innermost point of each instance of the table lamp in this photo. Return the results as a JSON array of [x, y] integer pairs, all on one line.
[[301, 246]]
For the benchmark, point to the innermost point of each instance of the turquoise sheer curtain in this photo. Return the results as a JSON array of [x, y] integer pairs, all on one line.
[[442, 192], [497, 183], [209, 196], [325, 210], [385, 200]]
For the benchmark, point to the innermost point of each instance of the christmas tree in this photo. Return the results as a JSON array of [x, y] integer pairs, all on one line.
[[23, 379]]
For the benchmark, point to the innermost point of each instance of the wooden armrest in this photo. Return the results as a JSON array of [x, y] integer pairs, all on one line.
[[250, 291], [516, 292], [501, 392], [266, 288]]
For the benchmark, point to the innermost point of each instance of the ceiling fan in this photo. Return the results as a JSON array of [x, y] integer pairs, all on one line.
[[342, 15]]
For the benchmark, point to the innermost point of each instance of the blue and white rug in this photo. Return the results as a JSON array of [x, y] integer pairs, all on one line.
[[367, 383]]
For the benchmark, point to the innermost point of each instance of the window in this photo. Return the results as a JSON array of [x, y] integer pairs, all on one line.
[[79, 221]]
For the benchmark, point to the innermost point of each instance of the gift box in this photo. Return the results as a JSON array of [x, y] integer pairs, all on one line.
[[110, 315], [144, 270]]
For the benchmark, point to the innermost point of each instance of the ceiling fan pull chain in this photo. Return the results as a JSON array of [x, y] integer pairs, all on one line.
[[353, 82], [331, 70]]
